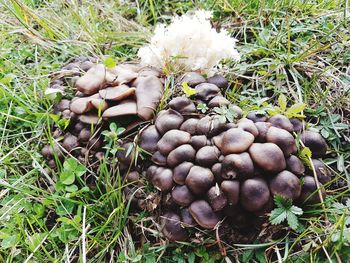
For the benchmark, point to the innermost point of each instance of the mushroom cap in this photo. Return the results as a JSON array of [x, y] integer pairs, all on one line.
[[217, 125], [126, 107], [95, 144], [93, 80], [231, 190], [189, 126], [281, 121], [168, 120], [248, 125], [207, 156], [256, 116], [172, 228], [268, 156], [162, 179], [204, 214], [70, 142], [84, 135], [64, 104], [204, 125], [149, 91], [218, 101], [315, 142], [182, 195], [295, 165], [181, 154], [192, 79], [199, 179], [217, 140], [282, 139], [322, 172], [238, 166], [181, 171], [132, 177], [297, 124], [206, 91], [121, 74], [117, 93], [81, 105], [159, 158], [216, 170], [262, 127], [187, 218], [286, 184], [99, 104], [172, 139], [149, 138], [216, 198], [199, 141], [89, 118], [254, 194], [236, 140], [124, 155], [219, 81], [309, 191], [182, 104]]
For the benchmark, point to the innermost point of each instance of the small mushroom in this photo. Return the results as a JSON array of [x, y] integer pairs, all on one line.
[[70, 142], [93, 80], [81, 105], [268, 156], [231, 190], [248, 126], [183, 105], [89, 118], [186, 218], [159, 158], [181, 171], [236, 140], [190, 126], [281, 121], [204, 125], [192, 79], [282, 139], [217, 140], [216, 198], [172, 139], [149, 138], [207, 156], [315, 142], [125, 154], [297, 124], [199, 141], [121, 74], [204, 214], [162, 179], [295, 165], [117, 93], [255, 194], [95, 144], [172, 228], [218, 101], [84, 135], [181, 154], [182, 195], [262, 127], [238, 166], [309, 191], [62, 105], [133, 177], [149, 91], [286, 184], [199, 179], [206, 91], [256, 116], [168, 120], [216, 170], [99, 104], [322, 172], [126, 107], [219, 81]]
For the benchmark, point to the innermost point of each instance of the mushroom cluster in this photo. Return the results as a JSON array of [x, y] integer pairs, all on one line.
[[209, 169]]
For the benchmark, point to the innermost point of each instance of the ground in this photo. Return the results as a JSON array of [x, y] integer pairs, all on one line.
[[297, 48]]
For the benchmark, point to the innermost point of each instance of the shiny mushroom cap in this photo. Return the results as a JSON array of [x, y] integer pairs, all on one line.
[[206, 91], [248, 125], [238, 166], [207, 156], [236, 140], [204, 214], [126, 107], [254, 194], [182, 195], [268, 156], [231, 190], [168, 120], [218, 101], [216, 198], [295, 165], [117, 93], [199, 179], [256, 116], [172, 139], [181, 154], [192, 79], [181, 171], [281, 121], [315, 142], [309, 191], [219, 81], [190, 126], [183, 105], [162, 179], [172, 228], [322, 172], [93, 80], [199, 141], [262, 127], [149, 138], [282, 139], [286, 184]]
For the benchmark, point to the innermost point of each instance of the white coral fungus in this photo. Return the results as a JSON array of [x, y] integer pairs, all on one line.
[[189, 43]]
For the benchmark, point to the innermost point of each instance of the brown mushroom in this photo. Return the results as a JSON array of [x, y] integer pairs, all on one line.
[[168, 120], [248, 126], [286, 184], [181, 171], [282, 139], [99, 104], [149, 91], [149, 138], [315, 142], [268, 156], [182, 104], [204, 214], [206, 91], [117, 93], [254, 194], [126, 107], [262, 127], [162, 179], [159, 158], [309, 191], [89, 118], [84, 135], [70, 142], [172, 228], [133, 177], [216, 170], [322, 172], [186, 218], [295, 165], [172, 139], [216, 198], [236, 140], [281, 122], [95, 144], [207, 156], [93, 80], [121, 74], [238, 166], [199, 179], [182, 195], [189, 126], [204, 125], [181, 154], [219, 81], [218, 101], [81, 105], [199, 141], [297, 124], [192, 79], [231, 190], [256, 116]]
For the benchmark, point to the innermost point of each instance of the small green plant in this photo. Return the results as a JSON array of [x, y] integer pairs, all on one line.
[[112, 137], [110, 62], [285, 211], [188, 90], [202, 107], [226, 113], [293, 111]]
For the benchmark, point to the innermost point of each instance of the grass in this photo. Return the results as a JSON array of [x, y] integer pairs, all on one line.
[[297, 48]]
